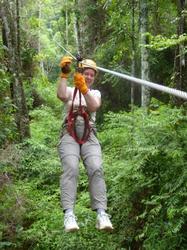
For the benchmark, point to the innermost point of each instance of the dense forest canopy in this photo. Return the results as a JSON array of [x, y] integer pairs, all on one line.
[[143, 131]]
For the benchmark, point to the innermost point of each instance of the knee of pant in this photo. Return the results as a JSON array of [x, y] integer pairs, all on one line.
[[94, 166], [95, 171], [71, 166]]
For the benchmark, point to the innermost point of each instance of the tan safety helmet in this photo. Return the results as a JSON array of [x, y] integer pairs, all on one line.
[[89, 64]]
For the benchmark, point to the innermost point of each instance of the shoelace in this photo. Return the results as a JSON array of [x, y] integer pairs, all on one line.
[[70, 218], [105, 216]]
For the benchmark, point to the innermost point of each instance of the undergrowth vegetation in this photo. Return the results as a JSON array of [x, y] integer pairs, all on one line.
[[145, 167]]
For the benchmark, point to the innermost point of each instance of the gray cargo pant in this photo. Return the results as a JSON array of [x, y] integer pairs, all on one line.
[[70, 154]]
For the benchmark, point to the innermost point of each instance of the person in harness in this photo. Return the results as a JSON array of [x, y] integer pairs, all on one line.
[[79, 141]]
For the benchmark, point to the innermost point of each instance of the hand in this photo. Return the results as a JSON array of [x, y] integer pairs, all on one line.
[[80, 83], [65, 66]]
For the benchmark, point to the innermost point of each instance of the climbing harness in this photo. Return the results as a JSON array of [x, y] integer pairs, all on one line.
[[172, 91], [78, 112], [72, 119]]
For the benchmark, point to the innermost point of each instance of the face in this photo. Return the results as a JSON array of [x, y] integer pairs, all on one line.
[[89, 75]]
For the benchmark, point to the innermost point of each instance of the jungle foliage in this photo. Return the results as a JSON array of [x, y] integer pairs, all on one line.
[[145, 171]]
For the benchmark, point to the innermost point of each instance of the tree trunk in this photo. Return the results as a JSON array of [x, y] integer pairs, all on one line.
[[67, 26], [18, 31], [133, 53], [145, 96], [156, 19], [77, 31], [12, 36], [181, 58], [39, 34], [91, 25]]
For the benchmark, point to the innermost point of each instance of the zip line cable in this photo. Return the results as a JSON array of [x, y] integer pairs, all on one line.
[[172, 91], [65, 50]]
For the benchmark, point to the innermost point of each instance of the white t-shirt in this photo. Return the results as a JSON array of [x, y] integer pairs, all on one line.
[[83, 102]]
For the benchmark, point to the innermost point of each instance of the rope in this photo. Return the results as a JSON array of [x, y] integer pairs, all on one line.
[[172, 91]]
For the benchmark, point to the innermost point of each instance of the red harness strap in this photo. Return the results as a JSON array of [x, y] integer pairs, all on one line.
[[72, 117]]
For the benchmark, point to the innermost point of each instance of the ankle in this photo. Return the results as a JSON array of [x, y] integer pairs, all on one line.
[[69, 211], [100, 210]]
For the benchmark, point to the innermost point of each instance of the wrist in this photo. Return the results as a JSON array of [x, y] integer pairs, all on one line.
[[85, 91]]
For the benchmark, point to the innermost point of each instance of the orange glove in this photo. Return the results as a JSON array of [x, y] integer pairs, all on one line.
[[65, 66], [80, 83]]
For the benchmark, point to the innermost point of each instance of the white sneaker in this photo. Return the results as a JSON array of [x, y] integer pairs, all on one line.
[[70, 223], [103, 222]]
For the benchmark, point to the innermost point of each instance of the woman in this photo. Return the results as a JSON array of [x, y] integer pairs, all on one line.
[[71, 151]]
